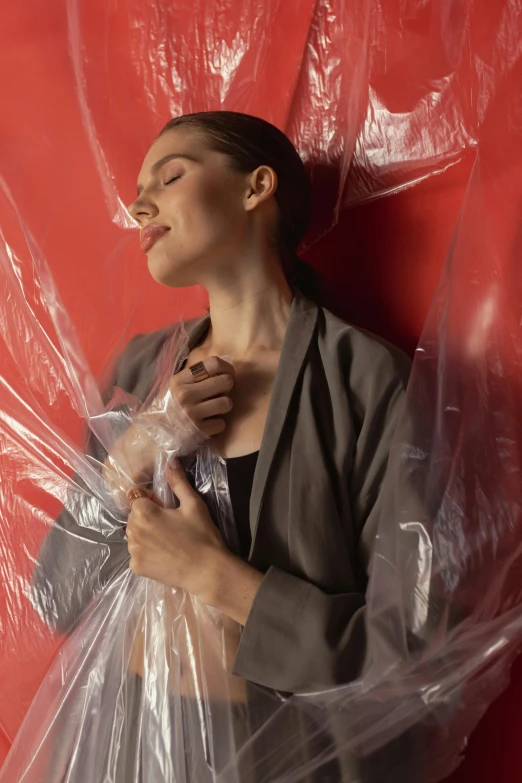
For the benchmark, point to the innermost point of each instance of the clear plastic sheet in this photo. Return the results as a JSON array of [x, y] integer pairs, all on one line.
[[376, 98]]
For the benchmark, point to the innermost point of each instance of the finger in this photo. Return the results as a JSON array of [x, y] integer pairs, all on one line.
[[152, 498], [145, 506], [155, 499], [211, 427], [214, 365], [141, 488], [207, 408], [192, 393], [178, 481]]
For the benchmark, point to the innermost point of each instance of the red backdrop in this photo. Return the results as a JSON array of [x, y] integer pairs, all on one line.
[[84, 92]]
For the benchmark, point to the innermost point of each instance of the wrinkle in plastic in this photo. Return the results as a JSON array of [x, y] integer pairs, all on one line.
[[141, 688]]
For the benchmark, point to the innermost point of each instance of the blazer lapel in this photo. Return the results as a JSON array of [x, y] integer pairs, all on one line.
[[197, 331], [299, 331]]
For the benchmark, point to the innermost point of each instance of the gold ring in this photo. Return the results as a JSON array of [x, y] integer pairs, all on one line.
[[198, 372], [135, 493]]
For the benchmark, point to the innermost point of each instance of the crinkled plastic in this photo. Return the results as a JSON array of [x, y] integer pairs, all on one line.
[[376, 97]]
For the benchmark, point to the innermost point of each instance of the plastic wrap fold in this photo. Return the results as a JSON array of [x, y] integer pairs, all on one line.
[[134, 677]]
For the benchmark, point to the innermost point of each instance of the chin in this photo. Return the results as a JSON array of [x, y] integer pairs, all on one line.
[[166, 272]]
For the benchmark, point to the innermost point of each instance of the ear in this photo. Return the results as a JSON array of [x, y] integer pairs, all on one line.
[[262, 185]]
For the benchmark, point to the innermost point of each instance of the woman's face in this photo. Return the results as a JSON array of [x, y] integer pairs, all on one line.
[[191, 209]]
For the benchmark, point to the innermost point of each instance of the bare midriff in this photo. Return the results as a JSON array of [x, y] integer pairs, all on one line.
[[200, 647]]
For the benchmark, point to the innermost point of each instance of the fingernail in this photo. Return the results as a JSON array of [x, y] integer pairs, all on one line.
[[227, 358]]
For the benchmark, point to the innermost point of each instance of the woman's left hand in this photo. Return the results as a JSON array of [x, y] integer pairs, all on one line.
[[179, 547]]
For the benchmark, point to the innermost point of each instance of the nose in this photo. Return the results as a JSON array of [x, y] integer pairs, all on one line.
[[142, 209]]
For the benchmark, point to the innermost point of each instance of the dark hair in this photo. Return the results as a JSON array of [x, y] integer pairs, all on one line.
[[250, 142]]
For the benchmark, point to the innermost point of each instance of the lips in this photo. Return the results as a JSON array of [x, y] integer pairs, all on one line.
[[150, 234]]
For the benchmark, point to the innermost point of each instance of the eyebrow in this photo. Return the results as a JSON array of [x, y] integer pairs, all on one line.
[[161, 162]]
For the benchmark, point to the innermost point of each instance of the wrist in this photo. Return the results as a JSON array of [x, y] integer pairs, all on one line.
[[218, 564], [233, 586]]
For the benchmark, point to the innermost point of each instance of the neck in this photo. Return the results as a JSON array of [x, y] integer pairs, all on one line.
[[249, 313]]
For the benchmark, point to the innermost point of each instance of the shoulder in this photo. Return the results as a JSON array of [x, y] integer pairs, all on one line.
[[373, 372], [363, 355], [369, 372]]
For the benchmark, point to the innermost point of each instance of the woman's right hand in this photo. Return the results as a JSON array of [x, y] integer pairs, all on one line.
[[205, 402], [193, 410]]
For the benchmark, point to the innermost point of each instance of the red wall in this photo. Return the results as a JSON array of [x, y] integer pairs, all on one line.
[[380, 264]]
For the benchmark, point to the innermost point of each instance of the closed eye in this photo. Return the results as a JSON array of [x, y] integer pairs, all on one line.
[[172, 179]]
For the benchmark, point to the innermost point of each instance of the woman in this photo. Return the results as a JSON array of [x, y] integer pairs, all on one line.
[[303, 414]]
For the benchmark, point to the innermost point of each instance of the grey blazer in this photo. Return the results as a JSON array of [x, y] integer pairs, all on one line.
[[313, 509]]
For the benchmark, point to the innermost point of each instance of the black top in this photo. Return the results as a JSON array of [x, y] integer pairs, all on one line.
[[240, 473]]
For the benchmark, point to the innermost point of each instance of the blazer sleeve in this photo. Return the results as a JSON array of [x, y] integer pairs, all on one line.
[[297, 637], [77, 559]]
